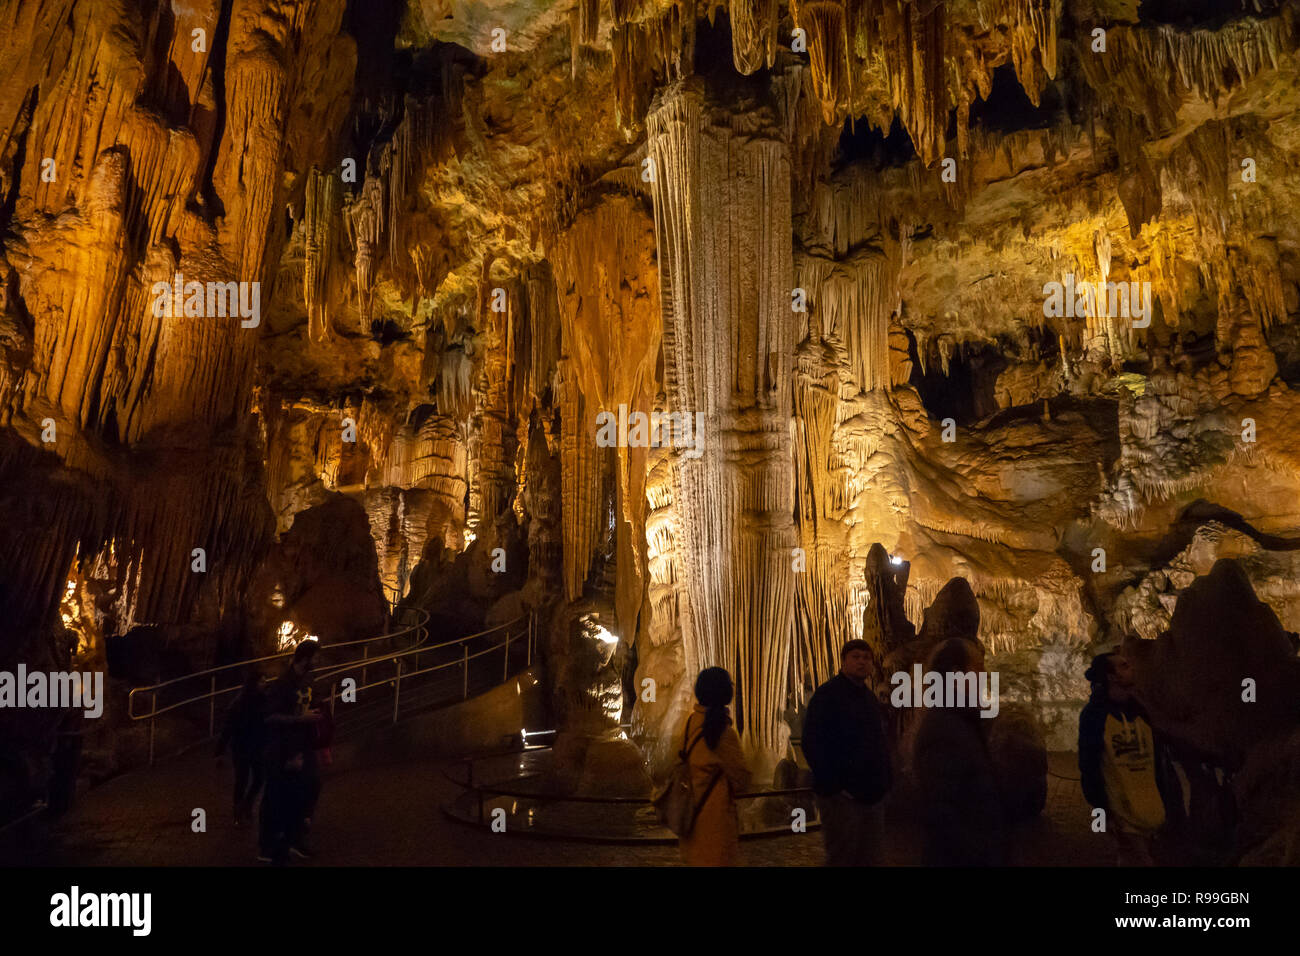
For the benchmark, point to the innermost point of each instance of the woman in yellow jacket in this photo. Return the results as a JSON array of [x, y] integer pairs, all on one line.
[[718, 773]]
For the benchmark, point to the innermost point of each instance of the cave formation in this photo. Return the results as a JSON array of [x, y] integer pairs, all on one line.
[[824, 229]]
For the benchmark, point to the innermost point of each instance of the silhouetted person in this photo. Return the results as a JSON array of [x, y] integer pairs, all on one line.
[[244, 732], [1123, 766], [844, 743], [718, 772], [292, 775], [957, 787]]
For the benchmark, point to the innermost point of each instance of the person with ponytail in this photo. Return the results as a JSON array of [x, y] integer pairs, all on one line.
[[718, 772]]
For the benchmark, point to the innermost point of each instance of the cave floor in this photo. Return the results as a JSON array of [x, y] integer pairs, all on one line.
[[387, 813]]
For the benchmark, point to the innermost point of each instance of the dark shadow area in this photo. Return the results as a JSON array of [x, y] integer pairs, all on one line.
[[713, 46], [861, 142], [1209, 14], [1284, 340], [965, 392], [386, 331], [217, 66], [1197, 514], [715, 62], [1009, 109]]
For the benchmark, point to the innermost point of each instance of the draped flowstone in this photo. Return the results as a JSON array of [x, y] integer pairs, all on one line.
[[722, 222]]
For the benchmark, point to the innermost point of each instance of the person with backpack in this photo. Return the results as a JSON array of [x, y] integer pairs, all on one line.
[[716, 772], [244, 732], [1124, 766], [844, 744]]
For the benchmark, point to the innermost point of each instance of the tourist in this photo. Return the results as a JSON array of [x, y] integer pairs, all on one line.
[[244, 732], [844, 743], [292, 775], [960, 805], [1123, 766], [718, 772]]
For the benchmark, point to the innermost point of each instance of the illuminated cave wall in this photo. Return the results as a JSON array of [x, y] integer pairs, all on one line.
[[824, 226]]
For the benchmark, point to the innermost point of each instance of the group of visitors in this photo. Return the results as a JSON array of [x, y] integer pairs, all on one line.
[[1125, 769], [276, 736]]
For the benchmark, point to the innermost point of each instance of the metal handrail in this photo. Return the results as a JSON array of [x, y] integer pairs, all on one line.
[[363, 664], [399, 656], [482, 791], [418, 629], [420, 649], [418, 626], [496, 789]]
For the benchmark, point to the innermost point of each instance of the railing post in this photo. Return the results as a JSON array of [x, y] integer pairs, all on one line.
[[530, 640], [153, 721], [212, 706], [464, 665], [397, 690], [365, 655], [505, 663]]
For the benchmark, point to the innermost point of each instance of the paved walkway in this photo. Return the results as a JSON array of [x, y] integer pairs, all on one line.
[[387, 813]]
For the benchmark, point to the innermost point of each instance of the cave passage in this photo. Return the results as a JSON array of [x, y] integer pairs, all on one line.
[[517, 412]]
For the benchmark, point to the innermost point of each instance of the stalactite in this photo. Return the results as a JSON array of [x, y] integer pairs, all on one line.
[[582, 481], [609, 312], [538, 337], [1151, 70], [1033, 44], [321, 216], [824, 24], [753, 33], [852, 301], [920, 86], [364, 218], [494, 420], [659, 46], [822, 595]]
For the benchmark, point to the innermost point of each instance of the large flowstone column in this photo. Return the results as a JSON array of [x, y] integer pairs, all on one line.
[[722, 221]]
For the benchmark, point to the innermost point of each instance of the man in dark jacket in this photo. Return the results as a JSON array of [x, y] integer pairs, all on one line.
[[844, 743], [292, 775], [1124, 767]]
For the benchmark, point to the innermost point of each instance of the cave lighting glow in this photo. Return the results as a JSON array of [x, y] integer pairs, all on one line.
[[291, 635]]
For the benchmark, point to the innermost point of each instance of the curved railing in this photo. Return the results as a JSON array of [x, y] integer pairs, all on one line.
[[476, 797], [416, 633], [406, 663]]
